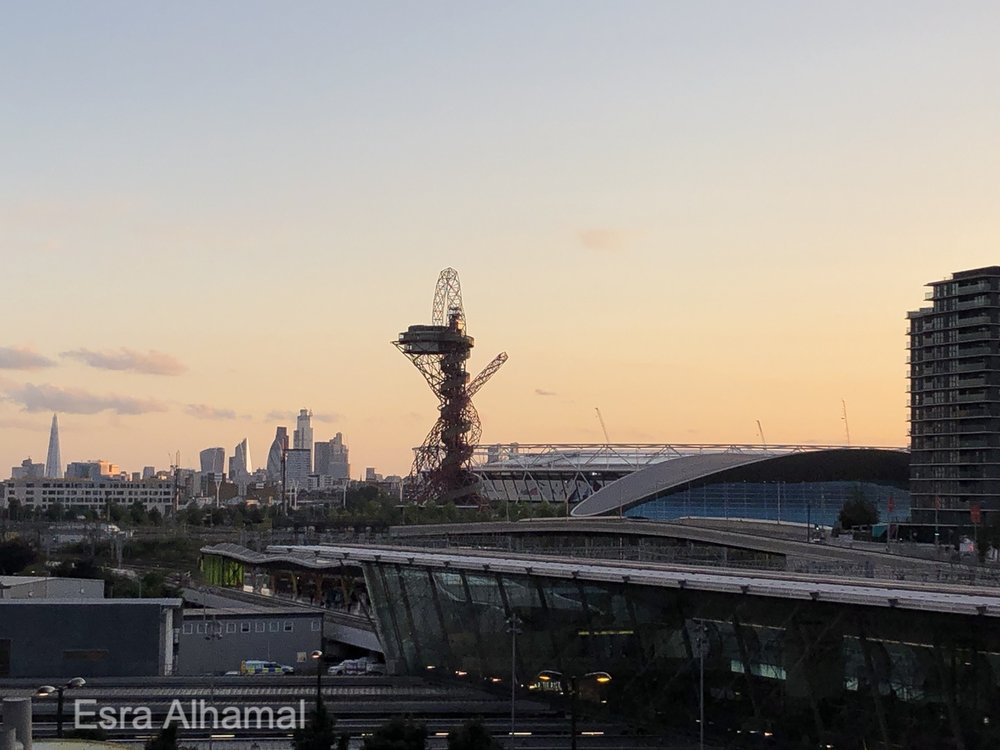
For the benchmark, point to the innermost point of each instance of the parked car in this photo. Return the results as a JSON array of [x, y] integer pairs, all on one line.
[[259, 666]]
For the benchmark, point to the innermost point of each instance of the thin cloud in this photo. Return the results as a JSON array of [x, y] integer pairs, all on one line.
[[35, 398], [276, 415], [148, 363], [21, 358], [204, 411], [15, 423], [543, 392], [605, 239]]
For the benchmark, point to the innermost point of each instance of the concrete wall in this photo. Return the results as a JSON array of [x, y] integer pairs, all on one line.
[[27, 587], [61, 638]]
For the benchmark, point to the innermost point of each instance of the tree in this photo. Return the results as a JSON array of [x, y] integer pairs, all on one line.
[[137, 514], [166, 739], [472, 735], [318, 733], [857, 510], [398, 734], [15, 556]]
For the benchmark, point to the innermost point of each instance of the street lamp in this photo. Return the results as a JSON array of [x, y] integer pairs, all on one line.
[[317, 656], [44, 691], [513, 625], [551, 675]]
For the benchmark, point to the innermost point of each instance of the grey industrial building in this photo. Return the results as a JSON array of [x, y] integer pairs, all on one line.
[[216, 640], [87, 637], [955, 399]]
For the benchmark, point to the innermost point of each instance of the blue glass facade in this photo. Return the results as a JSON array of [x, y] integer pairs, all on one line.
[[797, 502]]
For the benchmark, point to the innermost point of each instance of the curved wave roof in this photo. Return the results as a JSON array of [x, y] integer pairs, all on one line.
[[676, 474]]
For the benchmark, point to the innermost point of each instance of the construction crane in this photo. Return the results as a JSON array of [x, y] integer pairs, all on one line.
[[607, 440], [763, 441]]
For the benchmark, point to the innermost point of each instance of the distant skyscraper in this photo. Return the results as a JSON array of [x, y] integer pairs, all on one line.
[[297, 468], [340, 465], [240, 466], [94, 469], [303, 436], [330, 459], [213, 461], [278, 446], [28, 470], [321, 459], [53, 461]]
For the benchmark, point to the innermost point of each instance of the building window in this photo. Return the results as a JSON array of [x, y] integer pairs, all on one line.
[[273, 626], [316, 626], [230, 627], [287, 626], [258, 627], [244, 627], [188, 628], [201, 629]]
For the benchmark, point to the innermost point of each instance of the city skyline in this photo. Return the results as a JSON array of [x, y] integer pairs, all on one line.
[[692, 217]]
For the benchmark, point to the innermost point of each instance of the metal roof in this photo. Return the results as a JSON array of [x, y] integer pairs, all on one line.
[[902, 595], [670, 475], [635, 487]]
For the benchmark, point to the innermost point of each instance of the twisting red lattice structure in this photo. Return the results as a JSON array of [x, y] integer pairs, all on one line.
[[441, 465]]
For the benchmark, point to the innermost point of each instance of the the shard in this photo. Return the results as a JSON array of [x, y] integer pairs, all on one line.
[[53, 461]]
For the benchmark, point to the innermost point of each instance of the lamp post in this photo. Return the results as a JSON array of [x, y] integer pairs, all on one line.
[[45, 691], [317, 656], [550, 675], [701, 644], [513, 624], [213, 632]]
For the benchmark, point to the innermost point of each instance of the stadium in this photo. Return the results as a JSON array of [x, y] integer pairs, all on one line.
[[794, 483]]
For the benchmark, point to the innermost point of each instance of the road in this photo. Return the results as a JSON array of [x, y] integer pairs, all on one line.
[[360, 705]]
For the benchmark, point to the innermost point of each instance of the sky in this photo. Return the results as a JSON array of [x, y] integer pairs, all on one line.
[[694, 216]]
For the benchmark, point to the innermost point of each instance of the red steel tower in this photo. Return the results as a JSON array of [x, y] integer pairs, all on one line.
[[442, 463]]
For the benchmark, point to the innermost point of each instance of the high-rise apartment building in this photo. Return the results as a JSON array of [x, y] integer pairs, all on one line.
[[278, 446], [955, 399], [302, 438], [213, 461], [53, 461]]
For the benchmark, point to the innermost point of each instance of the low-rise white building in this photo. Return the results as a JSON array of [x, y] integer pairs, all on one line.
[[88, 493]]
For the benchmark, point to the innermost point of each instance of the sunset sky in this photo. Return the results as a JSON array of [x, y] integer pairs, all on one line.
[[692, 215]]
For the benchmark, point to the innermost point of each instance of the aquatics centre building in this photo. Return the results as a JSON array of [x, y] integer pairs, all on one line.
[[795, 483]]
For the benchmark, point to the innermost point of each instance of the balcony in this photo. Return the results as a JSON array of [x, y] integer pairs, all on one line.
[[975, 304], [977, 286], [974, 336], [974, 320]]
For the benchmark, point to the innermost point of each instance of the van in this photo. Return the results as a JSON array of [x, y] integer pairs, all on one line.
[[348, 666], [364, 665]]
